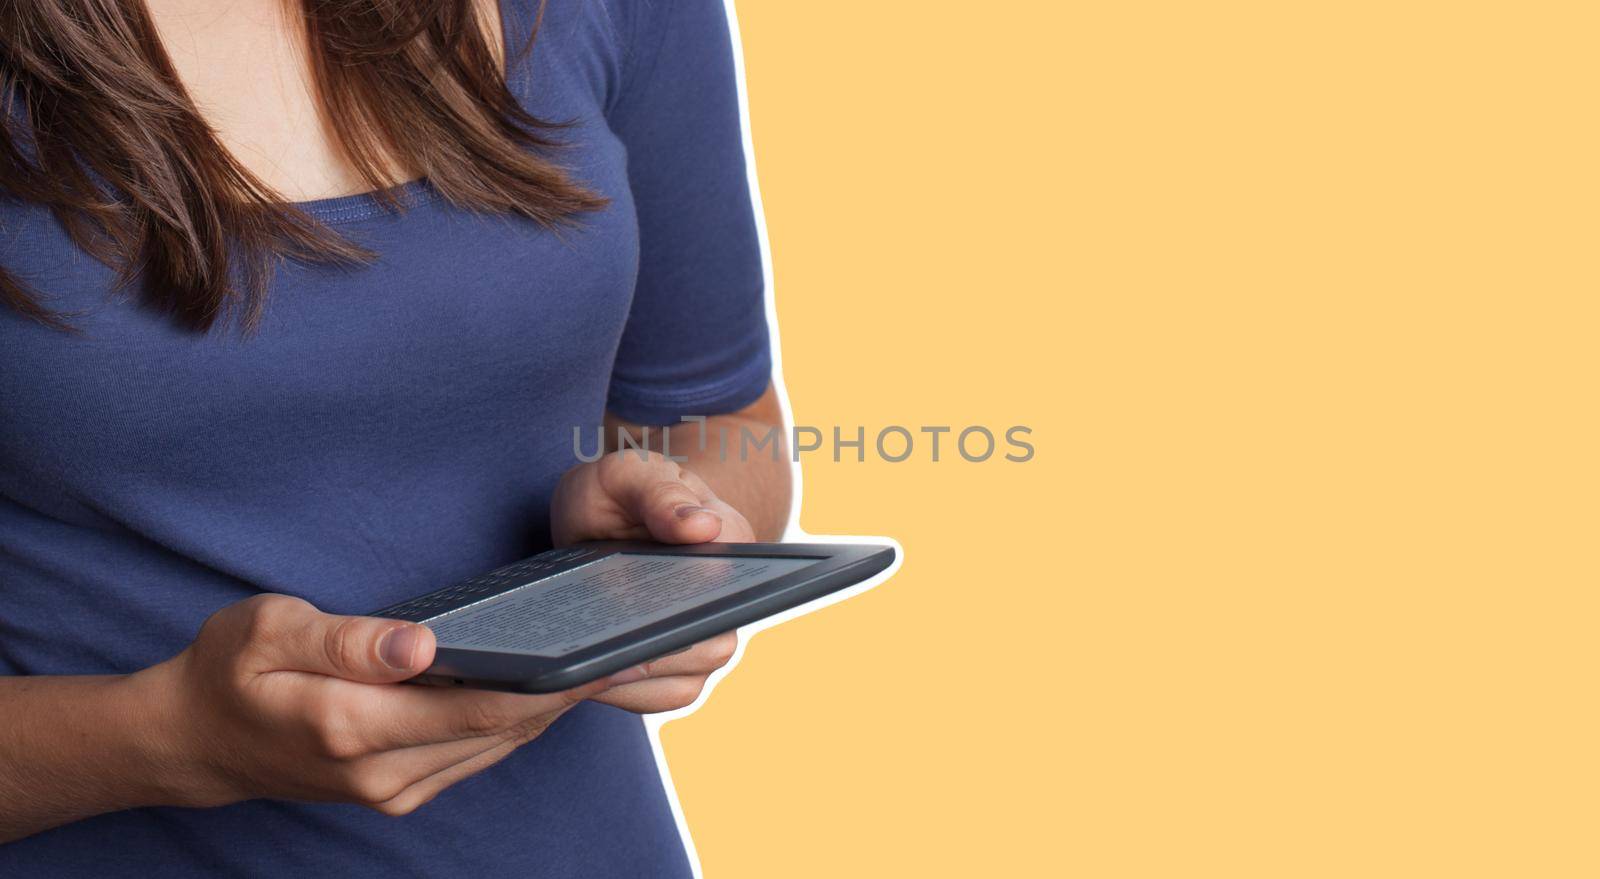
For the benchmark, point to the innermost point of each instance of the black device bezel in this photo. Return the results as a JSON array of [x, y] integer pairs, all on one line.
[[838, 566]]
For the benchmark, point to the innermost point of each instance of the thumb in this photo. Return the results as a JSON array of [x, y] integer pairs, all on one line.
[[366, 649], [673, 513], [294, 635]]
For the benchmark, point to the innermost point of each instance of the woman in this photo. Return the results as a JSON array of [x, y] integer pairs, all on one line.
[[305, 303]]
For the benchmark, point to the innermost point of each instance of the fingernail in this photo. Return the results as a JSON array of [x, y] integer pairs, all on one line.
[[688, 510], [628, 676], [398, 646]]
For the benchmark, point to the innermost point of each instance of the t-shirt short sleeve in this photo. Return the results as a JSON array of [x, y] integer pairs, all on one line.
[[696, 339]]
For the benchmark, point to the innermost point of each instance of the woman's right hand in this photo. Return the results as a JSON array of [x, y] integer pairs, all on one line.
[[277, 699]]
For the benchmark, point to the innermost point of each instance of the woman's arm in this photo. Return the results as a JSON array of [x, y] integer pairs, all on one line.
[[750, 471], [277, 699], [72, 747], [273, 699]]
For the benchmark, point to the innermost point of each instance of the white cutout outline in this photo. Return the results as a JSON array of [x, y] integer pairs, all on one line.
[[792, 530]]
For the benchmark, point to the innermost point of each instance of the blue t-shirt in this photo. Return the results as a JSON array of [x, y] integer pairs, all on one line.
[[389, 430]]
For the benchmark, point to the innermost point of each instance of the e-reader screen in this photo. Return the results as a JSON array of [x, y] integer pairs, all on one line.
[[591, 603]]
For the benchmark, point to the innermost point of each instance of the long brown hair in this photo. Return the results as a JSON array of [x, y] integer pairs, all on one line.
[[101, 131]]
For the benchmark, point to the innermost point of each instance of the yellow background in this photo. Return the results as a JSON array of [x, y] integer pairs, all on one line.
[[1300, 301]]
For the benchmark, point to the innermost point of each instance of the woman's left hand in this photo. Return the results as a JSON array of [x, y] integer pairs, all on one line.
[[626, 496]]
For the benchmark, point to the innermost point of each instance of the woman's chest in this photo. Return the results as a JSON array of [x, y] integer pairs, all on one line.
[[251, 72], [461, 325]]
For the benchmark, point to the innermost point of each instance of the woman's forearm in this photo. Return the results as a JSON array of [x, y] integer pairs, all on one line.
[[72, 747]]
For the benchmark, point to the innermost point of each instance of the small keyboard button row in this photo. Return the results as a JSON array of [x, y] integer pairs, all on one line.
[[515, 574]]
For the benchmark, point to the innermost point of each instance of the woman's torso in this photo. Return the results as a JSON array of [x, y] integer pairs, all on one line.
[[386, 431]]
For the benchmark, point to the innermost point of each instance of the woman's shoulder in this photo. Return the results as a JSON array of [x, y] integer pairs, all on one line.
[[613, 43], [628, 30], [607, 24]]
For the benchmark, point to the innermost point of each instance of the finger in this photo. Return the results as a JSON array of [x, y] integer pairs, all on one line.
[[700, 659], [402, 717], [675, 680], [581, 509], [375, 778], [285, 633], [423, 791], [390, 773], [656, 493], [656, 694], [683, 522], [735, 527]]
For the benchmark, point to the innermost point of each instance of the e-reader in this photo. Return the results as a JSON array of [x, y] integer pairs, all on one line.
[[577, 614]]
